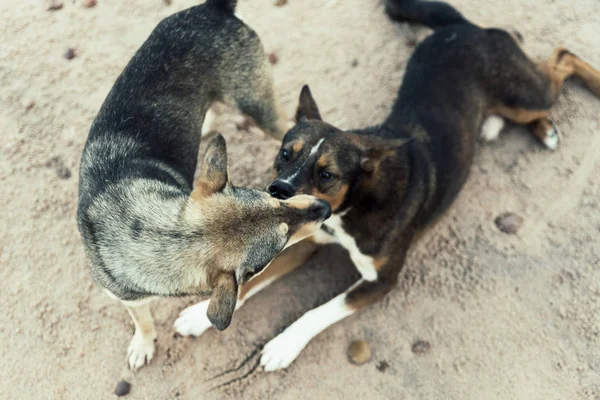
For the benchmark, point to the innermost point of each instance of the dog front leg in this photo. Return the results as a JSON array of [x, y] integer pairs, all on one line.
[[281, 351], [141, 348], [193, 320]]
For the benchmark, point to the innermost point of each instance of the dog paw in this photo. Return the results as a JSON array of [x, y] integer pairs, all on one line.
[[281, 351], [140, 350], [193, 320], [491, 128], [552, 137], [208, 124]]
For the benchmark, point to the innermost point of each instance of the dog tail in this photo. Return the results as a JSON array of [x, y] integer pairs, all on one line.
[[223, 5], [434, 14]]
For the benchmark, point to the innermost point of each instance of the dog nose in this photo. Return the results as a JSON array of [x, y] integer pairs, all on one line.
[[319, 211], [281, 190]]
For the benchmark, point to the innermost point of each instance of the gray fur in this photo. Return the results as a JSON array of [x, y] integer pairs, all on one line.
[[148, 230]]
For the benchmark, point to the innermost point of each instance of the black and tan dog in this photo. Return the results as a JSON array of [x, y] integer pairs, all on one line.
[[388, 182], [148, 230]]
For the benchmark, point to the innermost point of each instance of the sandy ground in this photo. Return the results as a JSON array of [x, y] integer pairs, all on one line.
[[507, 317]]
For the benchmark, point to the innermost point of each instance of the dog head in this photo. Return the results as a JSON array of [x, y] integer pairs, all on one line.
[[319, 159], [242, 230]]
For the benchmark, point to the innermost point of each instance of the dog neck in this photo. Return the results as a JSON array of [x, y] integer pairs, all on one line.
[[401, 188]]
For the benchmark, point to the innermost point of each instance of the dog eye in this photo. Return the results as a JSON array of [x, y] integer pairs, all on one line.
[[325, 176], [285, 155]]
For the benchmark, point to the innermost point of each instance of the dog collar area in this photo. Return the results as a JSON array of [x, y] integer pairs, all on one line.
[[328, 230]]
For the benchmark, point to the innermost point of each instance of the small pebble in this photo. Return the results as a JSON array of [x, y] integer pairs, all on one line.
[[280, 3], [562, 312], [122, 388], [359, 352], [518, 36], [27, 103], [63, 172], [70, 53], [89, 3], [59, 167], [273, 58], [243, 123], [420, 347], [508, 223], [382, 366], [54, 5], [354, 63]]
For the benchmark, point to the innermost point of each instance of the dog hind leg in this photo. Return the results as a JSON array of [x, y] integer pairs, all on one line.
[[564, 64], [253, 92], [530, 90], [264, 108], [547, 132]]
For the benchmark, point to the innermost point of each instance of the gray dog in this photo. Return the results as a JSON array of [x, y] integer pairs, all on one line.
[[148, 230]]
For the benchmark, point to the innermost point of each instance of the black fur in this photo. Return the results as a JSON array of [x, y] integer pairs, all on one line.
[[225, 5], [147, 229], [434, 14], [387, 188], [131, 112]]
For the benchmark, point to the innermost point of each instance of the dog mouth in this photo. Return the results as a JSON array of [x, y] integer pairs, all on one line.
[[243, 277], [249, 275], [319, 211], [310, 211]]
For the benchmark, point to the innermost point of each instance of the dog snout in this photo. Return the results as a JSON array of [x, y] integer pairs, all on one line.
[[319, 211], [281, 190]]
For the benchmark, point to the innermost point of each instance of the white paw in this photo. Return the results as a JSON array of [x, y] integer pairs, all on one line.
[[281, 351], [193, 320], [490, 130], [140, 350], [552, 137], [209, 122]]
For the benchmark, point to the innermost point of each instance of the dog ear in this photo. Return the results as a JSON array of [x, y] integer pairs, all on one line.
[[307, 107], [222, 302], [374, 150], [213, 175]]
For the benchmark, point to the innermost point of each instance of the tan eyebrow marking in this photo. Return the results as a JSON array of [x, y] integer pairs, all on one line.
[[324, 161], [296, 147]]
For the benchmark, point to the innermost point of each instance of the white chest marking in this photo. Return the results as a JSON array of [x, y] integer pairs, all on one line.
[[363, 263]]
